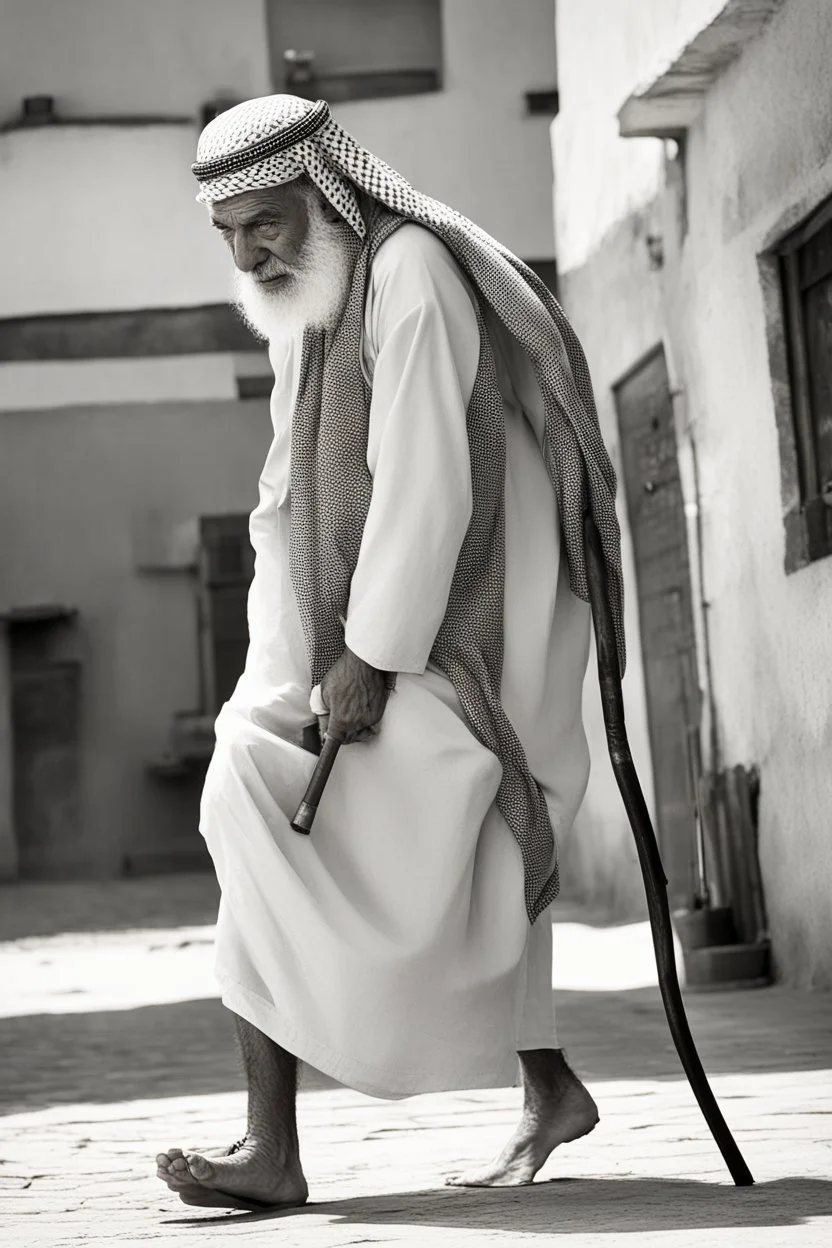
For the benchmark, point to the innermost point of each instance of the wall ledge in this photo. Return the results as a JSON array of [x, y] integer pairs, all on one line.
[[131, 122], [672, 99]]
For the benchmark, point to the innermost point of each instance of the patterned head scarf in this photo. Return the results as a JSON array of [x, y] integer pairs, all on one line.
[[268, 141]]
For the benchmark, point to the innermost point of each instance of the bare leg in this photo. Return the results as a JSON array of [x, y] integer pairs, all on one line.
[[556, 1109], [263, 1169]]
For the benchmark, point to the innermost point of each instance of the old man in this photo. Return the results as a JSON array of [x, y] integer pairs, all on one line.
[[419, 578]]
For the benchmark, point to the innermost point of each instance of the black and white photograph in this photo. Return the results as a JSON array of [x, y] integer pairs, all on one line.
[[415, 623]]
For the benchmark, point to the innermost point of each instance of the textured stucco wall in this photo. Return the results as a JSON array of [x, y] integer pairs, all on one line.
[[120, 227], [605, 205], [758, 156], [472, 144], [40, 384], [121, 58], [606, 48], [123, 231], [75, 487], [598, 859]]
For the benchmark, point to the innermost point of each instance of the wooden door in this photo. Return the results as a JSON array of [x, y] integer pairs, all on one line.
[[46, 758], [655, 507]]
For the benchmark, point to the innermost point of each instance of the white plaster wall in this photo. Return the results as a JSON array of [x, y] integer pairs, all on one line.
[[39, 384], [104, 217], [614, 304], [758, 156], [130, 57], [472, 144], [605, 195], [76, 487], [606, 48]]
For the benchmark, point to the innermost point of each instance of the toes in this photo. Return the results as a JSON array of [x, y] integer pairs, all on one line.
[[486, 1178], [170, 1180], [176, 1174], [166, 1159], [174, 1184], [174, 1171], [200, 1167]]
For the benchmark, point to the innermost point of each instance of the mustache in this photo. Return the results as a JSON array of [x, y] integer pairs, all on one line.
[[270, 269]]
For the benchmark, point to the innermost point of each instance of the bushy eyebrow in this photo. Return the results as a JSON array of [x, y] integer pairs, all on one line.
[[259, 217]]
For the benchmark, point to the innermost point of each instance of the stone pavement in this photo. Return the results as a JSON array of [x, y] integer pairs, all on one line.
[[112, 1045]]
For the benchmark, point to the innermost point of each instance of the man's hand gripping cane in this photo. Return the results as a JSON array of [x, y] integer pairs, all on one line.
[[355, 694]]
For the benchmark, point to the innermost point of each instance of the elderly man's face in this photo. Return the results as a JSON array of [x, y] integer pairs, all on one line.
[[265, 231], [293, 264]]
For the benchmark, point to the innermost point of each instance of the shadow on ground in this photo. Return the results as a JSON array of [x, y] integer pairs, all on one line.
[[734, 1032], [181, 1049], [31, 909], [576, 1206], [187, 1048]]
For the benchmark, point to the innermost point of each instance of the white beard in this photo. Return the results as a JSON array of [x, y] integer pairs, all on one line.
[[314, 292]]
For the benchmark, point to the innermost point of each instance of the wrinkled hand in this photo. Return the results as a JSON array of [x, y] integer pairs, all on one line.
[[356, 695]]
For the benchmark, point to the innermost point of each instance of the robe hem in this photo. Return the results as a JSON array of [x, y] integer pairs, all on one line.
[[354, 1073], [542, 1042]]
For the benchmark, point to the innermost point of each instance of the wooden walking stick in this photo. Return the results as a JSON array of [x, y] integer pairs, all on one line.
[[306, 812], [655, 881]]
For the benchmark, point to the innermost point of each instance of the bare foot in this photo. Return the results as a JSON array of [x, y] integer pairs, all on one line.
[[540, 1131], [249, 1175]]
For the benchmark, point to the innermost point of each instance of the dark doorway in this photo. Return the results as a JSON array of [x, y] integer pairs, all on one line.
[[227, 568], [45, 731], [655, 508]]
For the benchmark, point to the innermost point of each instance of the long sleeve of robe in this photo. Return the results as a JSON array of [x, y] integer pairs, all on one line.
[[421, 349], [391, 948]]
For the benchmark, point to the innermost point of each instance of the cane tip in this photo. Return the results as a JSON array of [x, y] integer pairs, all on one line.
[[304, 818]]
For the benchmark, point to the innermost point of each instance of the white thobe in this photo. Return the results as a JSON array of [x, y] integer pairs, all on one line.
[[391, 948]]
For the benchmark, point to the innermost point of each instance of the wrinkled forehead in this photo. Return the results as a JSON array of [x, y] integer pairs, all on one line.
[[248, 206]]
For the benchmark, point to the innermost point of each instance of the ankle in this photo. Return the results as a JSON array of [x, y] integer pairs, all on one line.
[[278, 1147], [547, 1073]]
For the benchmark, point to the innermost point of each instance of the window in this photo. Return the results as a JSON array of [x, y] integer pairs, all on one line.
[[805, 262], [355, 49], [226, 570]]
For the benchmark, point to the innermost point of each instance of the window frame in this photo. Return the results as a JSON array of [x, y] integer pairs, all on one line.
[[346, 83], [808, 520]]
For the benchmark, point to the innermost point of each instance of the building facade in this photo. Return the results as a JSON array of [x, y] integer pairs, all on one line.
[[134, 407], [693, 167]]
